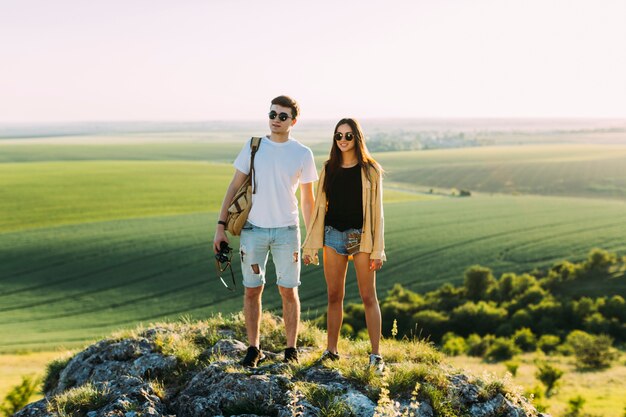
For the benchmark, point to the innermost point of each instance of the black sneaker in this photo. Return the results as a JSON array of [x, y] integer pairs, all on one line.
[[253, 357], [291, 355], [328, 356]]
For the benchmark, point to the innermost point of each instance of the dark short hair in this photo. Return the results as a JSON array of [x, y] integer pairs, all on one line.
[[287, 101]]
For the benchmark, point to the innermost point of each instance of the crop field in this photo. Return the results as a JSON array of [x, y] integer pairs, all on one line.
[[98, 234], [557, 170], [99, 237]]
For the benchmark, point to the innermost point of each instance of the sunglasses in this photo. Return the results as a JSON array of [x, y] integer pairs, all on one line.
[[348, 136], [282, 116]]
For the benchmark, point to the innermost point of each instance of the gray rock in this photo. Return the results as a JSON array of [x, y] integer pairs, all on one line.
[[124, 370], [359, 403], [36, 409], [228, 347], [498, 406]]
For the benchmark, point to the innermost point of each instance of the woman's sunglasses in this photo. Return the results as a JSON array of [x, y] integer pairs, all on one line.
[[282, 116], [348, 136]]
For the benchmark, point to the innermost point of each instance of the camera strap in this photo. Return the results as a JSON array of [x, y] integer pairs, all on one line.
[[219, 268]]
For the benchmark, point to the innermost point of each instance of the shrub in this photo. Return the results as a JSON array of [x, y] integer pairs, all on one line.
[[478, 279], [501, 349], [599, 260], [19, 396], [53, 373], [594, 352], [521, 318], [512, 366], [525, 339], [597, 323], [477, 346], [453, 345], [478, 317], [548, 343], [575, 406], [615, 307], [431, 323], [549, 375]]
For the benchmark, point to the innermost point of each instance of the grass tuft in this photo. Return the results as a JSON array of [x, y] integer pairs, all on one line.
[[77, 402]]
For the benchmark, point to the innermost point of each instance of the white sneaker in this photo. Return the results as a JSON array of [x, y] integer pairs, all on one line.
[[377, 363]]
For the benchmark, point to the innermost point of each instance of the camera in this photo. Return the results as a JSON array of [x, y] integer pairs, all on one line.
[[222, 255]]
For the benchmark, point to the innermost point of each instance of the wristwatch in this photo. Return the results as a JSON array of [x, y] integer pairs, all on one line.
[[222, 222]]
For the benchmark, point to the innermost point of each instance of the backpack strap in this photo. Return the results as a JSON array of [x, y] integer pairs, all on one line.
[[255, 143]]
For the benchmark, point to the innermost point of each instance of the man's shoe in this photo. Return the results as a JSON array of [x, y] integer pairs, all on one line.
[[377, 364], [291, 355], [253, 357], [328, 356]]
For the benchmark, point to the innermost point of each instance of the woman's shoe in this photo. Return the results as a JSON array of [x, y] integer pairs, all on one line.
[[377, 364]]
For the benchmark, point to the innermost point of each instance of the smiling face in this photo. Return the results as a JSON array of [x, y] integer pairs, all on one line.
[[278, 126], [343, 144]]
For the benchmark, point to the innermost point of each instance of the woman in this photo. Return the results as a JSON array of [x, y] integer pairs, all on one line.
[[348, 205]]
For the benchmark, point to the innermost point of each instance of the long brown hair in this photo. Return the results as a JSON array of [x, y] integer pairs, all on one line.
[[364, 158]]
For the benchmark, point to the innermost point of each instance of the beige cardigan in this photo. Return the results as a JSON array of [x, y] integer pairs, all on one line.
[[372, 239]]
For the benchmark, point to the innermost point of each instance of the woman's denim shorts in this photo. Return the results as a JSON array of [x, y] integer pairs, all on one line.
[[337, 240]]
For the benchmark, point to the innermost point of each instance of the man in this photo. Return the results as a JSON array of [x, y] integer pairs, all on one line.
[[280, 164]]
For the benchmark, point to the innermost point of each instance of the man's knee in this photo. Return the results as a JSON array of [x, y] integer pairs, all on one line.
[[253, 293], [288, 294]]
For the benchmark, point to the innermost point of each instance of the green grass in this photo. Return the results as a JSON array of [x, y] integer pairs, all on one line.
[[88, 247], [217, 152], [88, 244], [603, 390], [37, 195], [68, 284], [558, 170]]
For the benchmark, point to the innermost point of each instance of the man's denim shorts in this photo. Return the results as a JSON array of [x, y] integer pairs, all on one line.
[[337, 240], [254, 247]]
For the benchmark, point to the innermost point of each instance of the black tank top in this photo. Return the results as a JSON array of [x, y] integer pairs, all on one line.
[[345, 200]]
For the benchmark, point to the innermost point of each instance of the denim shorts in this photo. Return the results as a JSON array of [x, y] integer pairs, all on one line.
[[337, 240], [256, 243]]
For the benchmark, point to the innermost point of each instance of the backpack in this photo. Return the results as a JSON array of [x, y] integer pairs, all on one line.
[[240, 205]]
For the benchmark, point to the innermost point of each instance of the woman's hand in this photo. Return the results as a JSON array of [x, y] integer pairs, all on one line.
[[307, 259], [376, 264]]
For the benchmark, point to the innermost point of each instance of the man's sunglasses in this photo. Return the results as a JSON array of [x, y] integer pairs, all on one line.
[[348, 136], [282, 116]]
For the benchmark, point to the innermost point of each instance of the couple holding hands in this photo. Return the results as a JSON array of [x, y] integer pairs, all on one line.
[[344, 218]]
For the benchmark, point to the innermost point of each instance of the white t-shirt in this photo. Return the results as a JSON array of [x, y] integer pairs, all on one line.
[[279, 169]]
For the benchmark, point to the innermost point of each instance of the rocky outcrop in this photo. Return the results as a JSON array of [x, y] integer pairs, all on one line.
[[135, 377]]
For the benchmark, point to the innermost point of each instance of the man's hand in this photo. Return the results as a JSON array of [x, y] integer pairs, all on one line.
[[220, 236], [307, 260], [376, 264]]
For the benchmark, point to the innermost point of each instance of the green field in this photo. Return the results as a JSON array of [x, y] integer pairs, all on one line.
[[596, 171], [88, 246], [602, 390], [100, 236]]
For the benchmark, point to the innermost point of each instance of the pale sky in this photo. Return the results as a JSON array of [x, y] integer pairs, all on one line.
[[84, 60]]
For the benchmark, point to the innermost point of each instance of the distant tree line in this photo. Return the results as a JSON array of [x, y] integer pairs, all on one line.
[[498, 317], [411, 141]]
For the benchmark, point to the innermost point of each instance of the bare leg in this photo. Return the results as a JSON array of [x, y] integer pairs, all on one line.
[[252, 314], [291, 313], [335, 268], [367, 289]]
